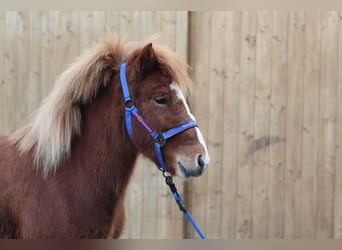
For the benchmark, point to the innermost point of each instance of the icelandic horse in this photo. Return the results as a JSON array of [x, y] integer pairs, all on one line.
[[65, 174]]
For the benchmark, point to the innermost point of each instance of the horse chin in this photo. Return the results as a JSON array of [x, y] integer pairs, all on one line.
[[186, 172]]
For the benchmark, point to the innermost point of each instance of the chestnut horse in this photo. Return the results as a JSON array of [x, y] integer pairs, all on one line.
[[65, 174]]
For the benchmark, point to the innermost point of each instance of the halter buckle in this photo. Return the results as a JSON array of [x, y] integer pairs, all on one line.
[[160, 140], [129, 104]]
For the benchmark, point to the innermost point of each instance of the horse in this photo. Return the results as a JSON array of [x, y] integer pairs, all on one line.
[[65, 174]]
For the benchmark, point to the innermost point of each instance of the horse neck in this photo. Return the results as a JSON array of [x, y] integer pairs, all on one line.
[[104, 148]]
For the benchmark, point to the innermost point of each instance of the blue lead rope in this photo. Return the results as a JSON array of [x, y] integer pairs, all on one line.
[[181, 205]]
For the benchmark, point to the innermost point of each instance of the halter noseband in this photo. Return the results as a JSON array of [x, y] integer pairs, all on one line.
[[159, 139]]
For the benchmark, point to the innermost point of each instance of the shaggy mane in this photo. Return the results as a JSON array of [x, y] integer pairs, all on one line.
[[59, 118]]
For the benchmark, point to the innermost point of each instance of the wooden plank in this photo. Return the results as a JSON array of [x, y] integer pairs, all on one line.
[[217, 78], [262, 139], [246, 128], [338, 169], [10, 71], [34, 67], [277, 125], [48, 53], [3, 105], [99, 26], [150, 178], [231, 124], [155, 19], [86, 30], [200, 23], [181, 24], [294, 125], [22, 69], [59, 34], [126, 28], [112, 21], [138, 31], [72, 36], [312, 54], [327, 126]]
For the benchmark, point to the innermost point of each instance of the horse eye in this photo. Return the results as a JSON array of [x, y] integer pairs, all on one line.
[[161, 100]]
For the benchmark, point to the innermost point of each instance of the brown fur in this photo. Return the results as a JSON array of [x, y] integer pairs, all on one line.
[[65, 175]]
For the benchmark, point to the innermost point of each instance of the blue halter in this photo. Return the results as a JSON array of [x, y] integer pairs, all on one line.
[[159, 141], [132, 110]]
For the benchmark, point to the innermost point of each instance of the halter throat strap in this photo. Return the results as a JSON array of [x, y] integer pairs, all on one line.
[[159, 138]]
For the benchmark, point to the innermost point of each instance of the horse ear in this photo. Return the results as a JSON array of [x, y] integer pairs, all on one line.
[[147, 59]]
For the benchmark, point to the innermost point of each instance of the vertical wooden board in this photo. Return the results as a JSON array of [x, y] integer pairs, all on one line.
[[150, 199], [10, 71], [126, 27], [48, 53], [138, 31], [86, 30], [155, 20], [338, 170], [2, 72], [134, 203], [34, 74], [327, 126], [99, 26], [277, 125], [182, 33], [262, 139], [217, 79], [112, 21], [312, 55], [294, 125], [231, 124], [22, 55], [200, 23], [72, 36], [59, 34], [246, 128]]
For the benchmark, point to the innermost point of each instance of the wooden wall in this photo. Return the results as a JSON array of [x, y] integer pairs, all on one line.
[[270, 85], [268, 89]]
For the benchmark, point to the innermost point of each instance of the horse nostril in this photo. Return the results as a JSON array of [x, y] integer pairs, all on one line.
[[201, 163]]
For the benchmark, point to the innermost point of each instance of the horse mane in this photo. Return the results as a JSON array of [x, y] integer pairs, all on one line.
[[58, 119]]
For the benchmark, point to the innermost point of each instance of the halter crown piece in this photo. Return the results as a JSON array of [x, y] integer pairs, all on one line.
[[159, 139]]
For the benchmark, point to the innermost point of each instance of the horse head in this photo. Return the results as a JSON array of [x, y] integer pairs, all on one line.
[[156, 86]]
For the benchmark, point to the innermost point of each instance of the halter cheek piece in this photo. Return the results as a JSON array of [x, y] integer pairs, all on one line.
[[132, 110]]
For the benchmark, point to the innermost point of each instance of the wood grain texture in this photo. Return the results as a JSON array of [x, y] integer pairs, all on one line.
[[231, 124], [278, 125], [338, 163], [310, 138], [262, 99], [293, 166], [246, 126], [327, 126], [3, 105]]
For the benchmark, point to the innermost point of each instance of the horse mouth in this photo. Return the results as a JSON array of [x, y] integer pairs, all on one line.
[[189, 172]]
